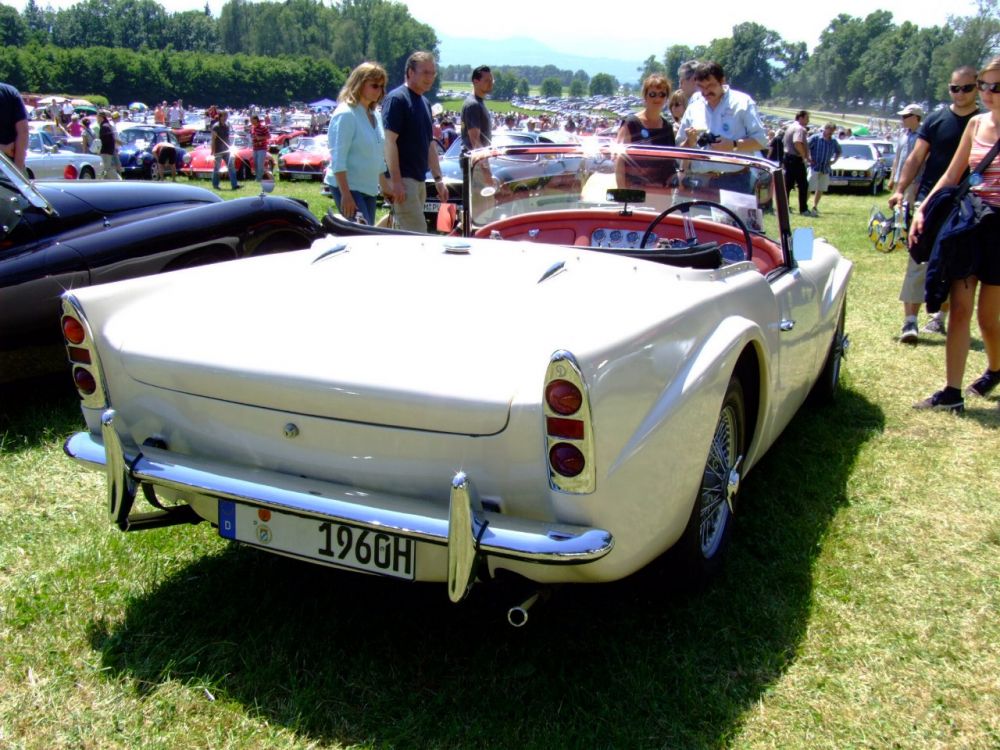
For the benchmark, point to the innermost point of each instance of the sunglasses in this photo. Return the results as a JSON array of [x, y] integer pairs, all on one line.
[[657, 94], [965, 88], [993, 88]]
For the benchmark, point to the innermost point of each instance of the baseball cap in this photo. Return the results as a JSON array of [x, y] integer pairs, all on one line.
[[911, 109]]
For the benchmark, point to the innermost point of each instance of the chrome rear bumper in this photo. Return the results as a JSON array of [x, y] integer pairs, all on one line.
[[470, 534]]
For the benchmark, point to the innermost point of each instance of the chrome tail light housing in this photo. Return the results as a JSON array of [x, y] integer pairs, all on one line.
[[569, 434], [82, 355]]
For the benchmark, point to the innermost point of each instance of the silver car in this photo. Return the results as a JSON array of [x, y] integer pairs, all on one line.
[[46, 161]]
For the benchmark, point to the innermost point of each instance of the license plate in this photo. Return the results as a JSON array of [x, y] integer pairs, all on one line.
[[431, 208], [337, 544], [838, 183]]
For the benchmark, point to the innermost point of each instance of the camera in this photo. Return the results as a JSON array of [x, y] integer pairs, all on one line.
[[707, 139]]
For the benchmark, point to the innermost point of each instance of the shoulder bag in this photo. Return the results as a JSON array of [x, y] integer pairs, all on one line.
[[951, 211]]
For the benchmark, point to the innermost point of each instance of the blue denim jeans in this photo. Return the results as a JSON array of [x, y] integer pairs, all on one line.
[[259, 158], [365, 204], [219, 160]]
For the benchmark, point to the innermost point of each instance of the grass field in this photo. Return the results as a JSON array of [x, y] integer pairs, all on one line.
[[860, 607]]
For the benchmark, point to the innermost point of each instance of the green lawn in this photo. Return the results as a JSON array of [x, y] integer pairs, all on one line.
[[860, 607]]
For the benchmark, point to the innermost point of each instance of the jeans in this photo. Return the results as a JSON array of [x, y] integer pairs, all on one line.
[[259, 158], [219, 160], [365, 204]]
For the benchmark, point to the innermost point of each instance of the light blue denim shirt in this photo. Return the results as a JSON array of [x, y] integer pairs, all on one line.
[[356, 147]]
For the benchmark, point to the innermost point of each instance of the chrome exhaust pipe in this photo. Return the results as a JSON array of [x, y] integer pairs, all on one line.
[[517, 615]]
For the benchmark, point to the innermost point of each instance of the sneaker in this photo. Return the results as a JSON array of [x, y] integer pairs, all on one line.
[[938, 401], [814, 212], [984, 384], [909, 333], [935, 325], [807, 212]]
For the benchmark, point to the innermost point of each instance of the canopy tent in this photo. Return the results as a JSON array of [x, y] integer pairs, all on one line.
[[323, 104]]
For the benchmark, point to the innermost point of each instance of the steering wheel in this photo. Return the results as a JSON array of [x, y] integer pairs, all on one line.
[[685, 208]]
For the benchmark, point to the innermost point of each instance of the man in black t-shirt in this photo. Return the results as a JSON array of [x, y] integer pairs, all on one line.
[[13, 125], [937, 141], [477, 125]]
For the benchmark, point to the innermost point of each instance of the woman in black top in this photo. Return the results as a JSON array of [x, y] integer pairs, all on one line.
[[648, 127]]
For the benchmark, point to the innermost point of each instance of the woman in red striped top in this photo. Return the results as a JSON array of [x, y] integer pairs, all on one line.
[[982, 249]]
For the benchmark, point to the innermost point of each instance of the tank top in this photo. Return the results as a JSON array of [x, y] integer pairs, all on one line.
[[989, 189], [653, 172]]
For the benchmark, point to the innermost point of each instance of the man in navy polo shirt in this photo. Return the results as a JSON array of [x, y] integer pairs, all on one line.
[[409, 148], [13, 125]]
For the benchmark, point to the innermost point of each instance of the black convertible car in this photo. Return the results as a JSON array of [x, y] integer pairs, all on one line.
[[63, 235]]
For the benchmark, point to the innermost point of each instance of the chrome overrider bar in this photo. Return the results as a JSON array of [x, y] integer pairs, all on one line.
[[470, 533]]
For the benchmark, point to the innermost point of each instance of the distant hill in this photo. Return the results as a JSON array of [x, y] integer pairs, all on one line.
[[522, 51]]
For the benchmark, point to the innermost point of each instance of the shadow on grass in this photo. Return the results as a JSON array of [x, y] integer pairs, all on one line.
[[345, 659], [33, 411]]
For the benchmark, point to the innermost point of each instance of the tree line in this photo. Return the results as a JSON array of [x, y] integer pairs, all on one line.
[[267, 52], [867, 61]]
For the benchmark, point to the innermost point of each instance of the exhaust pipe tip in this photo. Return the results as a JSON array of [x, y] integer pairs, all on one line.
[[517, 617]]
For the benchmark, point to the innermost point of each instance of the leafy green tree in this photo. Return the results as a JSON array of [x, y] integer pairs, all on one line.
[[754, 53], [577, 88], [504, 86], [13, 30], [603, 84], [551, 87], [677, 54], [523, 87], [651, 65]]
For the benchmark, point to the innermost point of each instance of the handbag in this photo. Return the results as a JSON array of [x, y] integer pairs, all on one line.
[[951, 211]]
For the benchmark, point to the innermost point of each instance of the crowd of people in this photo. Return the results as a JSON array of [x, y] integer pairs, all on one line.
[[386, 142]]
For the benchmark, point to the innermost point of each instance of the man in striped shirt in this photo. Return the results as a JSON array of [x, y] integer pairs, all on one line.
[[824, 150]]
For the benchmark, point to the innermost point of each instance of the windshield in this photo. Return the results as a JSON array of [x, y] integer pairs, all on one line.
[[11, 177], [520, 180], [857, 151]]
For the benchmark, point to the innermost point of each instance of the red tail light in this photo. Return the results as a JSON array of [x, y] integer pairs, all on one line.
[[567, 459], [85, 382], [73, 330], [564, 428], [70, 172], [563, 397]]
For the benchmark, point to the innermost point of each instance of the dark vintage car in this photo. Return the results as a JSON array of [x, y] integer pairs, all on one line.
[[65, 235], [136, 152]]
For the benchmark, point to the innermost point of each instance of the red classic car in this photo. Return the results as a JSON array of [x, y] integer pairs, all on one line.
[[305, 159], [281, 136], [199, 162]]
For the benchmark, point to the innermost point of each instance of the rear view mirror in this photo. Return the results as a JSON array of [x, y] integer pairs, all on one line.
[[626, 195]]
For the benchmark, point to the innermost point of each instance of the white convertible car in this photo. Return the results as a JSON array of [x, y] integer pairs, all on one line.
[[570, 385]]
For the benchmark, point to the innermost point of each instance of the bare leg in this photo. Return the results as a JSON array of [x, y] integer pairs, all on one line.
[[956, 347]]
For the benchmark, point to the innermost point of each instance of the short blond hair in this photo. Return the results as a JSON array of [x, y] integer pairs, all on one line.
[[365, 72], [655, 81]]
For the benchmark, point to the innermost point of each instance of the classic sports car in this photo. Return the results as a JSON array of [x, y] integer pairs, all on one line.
[[46, 161], [56, 236], [136, 152], [578, 384], [200, 162], [860, 165], [304, 158]]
